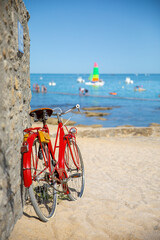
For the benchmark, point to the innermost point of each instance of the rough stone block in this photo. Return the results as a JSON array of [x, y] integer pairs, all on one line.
[[15, 99]]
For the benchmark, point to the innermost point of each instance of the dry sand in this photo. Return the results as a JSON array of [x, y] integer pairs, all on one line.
[[121, 199]]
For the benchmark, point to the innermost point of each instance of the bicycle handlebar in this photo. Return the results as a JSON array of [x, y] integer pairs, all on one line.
[[77, 106], [69, 110]]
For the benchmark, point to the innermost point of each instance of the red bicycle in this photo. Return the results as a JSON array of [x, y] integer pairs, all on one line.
[[48, 170]]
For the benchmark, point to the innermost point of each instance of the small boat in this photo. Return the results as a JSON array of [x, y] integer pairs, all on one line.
[[139, 89], [94, 78], [52, 84], [99, 83], [128, 81], [113, 93], [80, 80]]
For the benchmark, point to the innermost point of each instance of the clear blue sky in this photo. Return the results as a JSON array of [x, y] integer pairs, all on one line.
[[68, 36]]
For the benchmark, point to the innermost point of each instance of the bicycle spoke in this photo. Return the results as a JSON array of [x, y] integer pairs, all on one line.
[[43, 195], [75, 170]]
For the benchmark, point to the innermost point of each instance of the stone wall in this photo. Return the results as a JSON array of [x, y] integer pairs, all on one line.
[[15, 96], [119, 132]]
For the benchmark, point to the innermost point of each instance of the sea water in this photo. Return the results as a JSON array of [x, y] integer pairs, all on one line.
[[129, 107]]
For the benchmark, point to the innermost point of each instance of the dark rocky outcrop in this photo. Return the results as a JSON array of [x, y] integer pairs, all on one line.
[[54, 121], [96, 108], [95, 114]]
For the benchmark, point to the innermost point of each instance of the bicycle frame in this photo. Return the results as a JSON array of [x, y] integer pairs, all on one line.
[[60, 165]]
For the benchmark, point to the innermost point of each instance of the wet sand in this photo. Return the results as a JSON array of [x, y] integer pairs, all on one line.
[[121, 199]]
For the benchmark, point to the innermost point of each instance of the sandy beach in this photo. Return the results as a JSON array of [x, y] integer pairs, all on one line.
[[121, 200]]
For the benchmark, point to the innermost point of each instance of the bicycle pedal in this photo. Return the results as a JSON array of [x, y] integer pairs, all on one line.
[[47, 177]]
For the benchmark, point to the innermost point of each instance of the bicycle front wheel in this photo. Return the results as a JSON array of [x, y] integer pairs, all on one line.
[[42, 190], [75, 170]]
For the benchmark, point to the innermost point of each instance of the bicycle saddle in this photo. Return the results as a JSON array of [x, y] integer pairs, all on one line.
[[41, 114]]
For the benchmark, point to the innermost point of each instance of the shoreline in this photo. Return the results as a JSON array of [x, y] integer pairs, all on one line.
[[100, 117], [95, 131]]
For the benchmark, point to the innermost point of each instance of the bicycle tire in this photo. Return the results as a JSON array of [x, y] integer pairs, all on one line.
[[75, 171], [42, 190]]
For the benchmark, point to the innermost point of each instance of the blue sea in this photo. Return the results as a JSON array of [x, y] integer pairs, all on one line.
[[129, 107]]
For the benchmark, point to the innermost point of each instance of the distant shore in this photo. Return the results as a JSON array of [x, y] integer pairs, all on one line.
[[98, 131]]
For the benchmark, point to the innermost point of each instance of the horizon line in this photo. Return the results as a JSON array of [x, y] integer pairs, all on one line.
[[99, 74]]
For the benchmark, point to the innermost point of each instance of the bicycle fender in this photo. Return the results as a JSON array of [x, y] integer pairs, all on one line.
[[27, 178]]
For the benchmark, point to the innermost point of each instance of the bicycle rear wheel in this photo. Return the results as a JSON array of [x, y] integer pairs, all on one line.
[[75, 171], [42, 190]]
